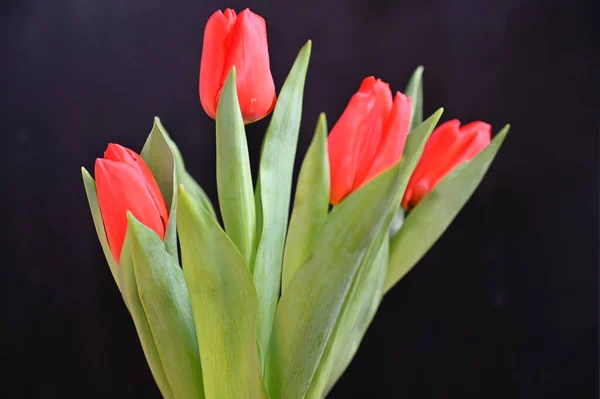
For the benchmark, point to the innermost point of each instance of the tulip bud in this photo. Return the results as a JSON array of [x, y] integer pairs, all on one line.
[[449, 145], [124, 183], [239, 41], [368, 138]]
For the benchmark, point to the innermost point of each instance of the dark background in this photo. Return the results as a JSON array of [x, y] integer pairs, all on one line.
[[504, 305]]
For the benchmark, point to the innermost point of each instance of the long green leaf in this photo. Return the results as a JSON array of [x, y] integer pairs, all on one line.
[[309, 309], [234, 178], [160, 160], [311, 204], [92, 196], [275, 176], [368, 293], [358, 311], [414, 90], [224, 305], [432, 216], [131, 296], [165, 301]]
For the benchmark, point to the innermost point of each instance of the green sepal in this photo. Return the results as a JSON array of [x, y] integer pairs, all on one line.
[[224, 305], [414, 90], [310, 308], [427, 221], [92, 196], [184, 178], [311, 204], [164, 298], [275, 177], [157, 154], [234, 177]]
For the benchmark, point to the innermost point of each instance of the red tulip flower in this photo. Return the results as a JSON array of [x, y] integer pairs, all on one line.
[[368, 138], [239, 41], [449, 145], [124, 183]]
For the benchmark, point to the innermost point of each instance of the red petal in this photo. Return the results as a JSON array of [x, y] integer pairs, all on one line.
[[472, 139], [214, 50], [441, 139], [116, 152], [482, 133], [343, 142], [249, 53], [122, 188], [447, 152], [394, 137], [419, 190], [372, 128]]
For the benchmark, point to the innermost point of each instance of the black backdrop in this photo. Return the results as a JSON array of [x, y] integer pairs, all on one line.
[[504, 305]]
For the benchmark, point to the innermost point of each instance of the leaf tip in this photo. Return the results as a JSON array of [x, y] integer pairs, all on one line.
[[501, 135], [436, 115], [322, 122], [131, 219], [231, 76], [307, 47], [185, 201]]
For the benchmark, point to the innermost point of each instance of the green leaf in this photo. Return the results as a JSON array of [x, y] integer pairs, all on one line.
[[160, 160], [311, 204], [432, 216], [224, 305], [92, 196], [414, 90], [360, 307], [165, 301], [275, 176], [234, 178], [369, 292], [132, 300], [191, 186], [309, 309]]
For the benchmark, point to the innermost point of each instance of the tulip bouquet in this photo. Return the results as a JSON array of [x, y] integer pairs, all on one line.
[[264, 304]]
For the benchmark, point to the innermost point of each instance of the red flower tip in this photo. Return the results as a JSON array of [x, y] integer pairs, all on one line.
[[449, 145], [239, 41], [124, 183], [368, 138]]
